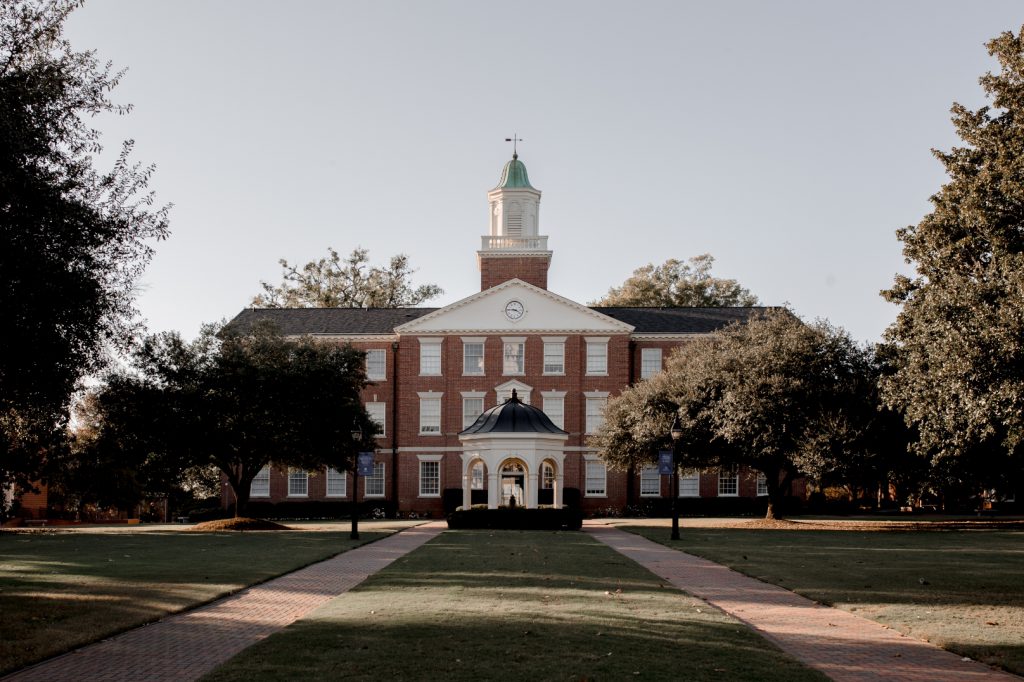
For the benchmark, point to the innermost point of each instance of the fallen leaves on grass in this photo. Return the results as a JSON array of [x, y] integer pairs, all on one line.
[[240, 523]]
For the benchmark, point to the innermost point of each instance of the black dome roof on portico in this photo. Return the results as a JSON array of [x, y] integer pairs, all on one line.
[[513, 416]]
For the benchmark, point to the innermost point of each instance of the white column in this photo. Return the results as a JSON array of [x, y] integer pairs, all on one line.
[[556, 495], [532, 485], [493, 489], [467, 492]]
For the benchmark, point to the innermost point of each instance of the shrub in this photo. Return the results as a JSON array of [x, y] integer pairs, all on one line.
[[517, 519]]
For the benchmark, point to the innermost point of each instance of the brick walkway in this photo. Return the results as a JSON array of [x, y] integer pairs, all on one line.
[[845, 647], [188, 645]]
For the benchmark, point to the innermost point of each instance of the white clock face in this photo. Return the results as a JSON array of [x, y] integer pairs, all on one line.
[[514, 310]]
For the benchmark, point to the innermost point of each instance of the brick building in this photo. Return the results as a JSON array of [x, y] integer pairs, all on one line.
[[435, 371]]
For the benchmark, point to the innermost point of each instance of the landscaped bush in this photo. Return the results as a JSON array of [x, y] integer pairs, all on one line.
[[319, 509], [517, 519]]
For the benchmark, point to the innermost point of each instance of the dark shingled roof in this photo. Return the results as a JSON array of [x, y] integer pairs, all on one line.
[[299, 321], [512, 416], [680, 320], [347, 321]]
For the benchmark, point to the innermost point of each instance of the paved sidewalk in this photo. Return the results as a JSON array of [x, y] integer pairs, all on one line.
[[188, 645], [843, 646]]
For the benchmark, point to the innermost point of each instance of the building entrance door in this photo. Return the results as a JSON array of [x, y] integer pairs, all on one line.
[[513, 480]]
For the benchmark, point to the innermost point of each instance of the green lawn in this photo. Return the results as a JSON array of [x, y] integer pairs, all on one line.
[[59, 590], [960, 589], [473, 605]]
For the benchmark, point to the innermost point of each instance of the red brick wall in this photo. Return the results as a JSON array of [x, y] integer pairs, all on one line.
[[495, 270]]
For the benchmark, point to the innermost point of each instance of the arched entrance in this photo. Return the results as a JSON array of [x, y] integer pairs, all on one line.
[[513, 480]]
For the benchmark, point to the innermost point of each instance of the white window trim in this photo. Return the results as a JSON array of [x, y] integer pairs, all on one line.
[[513, 339], [432, 341], [596, 340], [327, 483], [692, 477], [383, 422], [377, 377], [761, 482], [429, 458], [296, 471], [473, 395], [552, 339], [384, 481], [587, 459], [657, 478], [260, 494], [661, 361], [554, 395], [482, 340], [735, 476], [440, 413], [588, 396]]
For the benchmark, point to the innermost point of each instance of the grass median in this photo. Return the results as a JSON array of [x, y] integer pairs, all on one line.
[[62, 589], [960, 589], [472, 605]]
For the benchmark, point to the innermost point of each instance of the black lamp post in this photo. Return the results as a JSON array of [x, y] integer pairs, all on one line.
[[676, 433], [357, 438]]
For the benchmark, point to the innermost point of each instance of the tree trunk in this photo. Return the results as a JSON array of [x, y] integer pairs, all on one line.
[[776, 492], [241, 499]]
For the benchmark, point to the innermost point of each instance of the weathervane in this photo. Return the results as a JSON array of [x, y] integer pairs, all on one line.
[[515, 141]]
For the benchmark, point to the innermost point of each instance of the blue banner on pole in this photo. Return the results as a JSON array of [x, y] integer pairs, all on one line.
[[665, 463], [364, 465]]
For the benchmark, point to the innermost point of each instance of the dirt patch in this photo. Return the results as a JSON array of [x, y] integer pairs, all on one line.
[[240, 523]]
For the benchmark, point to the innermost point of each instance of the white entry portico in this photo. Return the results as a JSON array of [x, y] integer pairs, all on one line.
[[520, 449]]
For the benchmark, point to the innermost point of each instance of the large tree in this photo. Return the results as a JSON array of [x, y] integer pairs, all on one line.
[[959, 336], [73, 239], [678, 284], [775, 394], [238, 402], [333, 282]]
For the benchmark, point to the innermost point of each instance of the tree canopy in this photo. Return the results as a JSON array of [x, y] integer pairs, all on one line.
[[777, 395], [333, 282], [678, 284], [73, 239], [959, 336], [239, 402]]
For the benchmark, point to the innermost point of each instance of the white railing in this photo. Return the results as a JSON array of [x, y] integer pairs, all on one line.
[[505, 243]]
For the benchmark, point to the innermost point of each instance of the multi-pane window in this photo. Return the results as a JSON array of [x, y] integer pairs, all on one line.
[[554, 408], [650, 482], [376, 365], [378, 413], [298, 483], [728, 483], [689, 485], [375, 483], [337, 483], [476, 476], [430, 357], [554, 357], [597, 356], [762, 484], [472, 407], [473, 357], [514, 357], [650, 362], [430, 479], [430, 415], [597, 478], [595, 413], [261, 484], [547, 476]]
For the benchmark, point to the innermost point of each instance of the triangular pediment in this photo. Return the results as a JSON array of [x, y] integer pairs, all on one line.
[[514, 307]]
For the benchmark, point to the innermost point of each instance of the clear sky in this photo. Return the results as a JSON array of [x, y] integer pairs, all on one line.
[[789, 139]]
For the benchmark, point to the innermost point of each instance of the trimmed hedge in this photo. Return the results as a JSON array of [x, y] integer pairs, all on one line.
[[517, 519], [317, 509]]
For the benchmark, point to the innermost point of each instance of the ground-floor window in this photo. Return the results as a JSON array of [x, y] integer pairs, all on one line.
[[689, 485], [337, 483], [728, 483], [762, 484], [375, 483], [597, 479], [430, 479], [298, 483], [261, 484], [650, 482], [547, 476]]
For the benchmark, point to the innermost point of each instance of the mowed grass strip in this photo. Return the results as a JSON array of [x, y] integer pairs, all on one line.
[[483, 605], [962, 589], [59, 590]]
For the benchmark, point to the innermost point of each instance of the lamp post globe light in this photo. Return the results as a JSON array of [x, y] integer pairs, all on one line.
[[676, 433], [357, 438]]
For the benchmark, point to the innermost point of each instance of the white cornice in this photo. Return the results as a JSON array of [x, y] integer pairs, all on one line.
[[362, 338]]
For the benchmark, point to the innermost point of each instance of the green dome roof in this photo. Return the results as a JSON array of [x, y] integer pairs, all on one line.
[[513, 175]]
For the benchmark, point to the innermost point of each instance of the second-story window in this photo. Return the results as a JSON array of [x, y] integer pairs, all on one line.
[[430, 357], [514, 356], [473, 357], [554, 356], [597, 356], [376, 365]]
